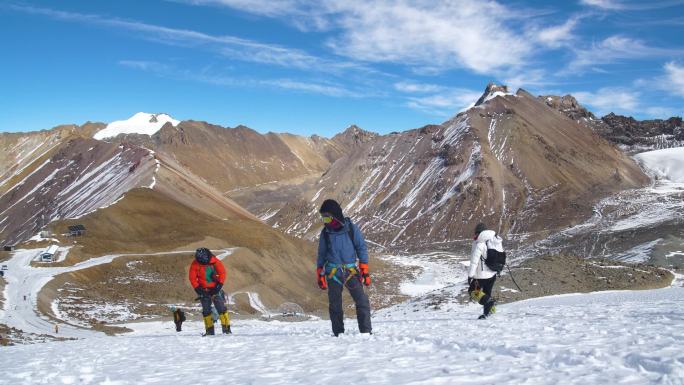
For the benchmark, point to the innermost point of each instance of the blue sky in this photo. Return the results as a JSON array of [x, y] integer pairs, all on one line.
[[315, 67]]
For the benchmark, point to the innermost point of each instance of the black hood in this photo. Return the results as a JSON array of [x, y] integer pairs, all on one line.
[[331, 206]]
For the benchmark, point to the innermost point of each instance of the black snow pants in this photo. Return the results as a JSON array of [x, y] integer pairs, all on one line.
[[357, 293], [486, 285], [219, 301], [178, 319]]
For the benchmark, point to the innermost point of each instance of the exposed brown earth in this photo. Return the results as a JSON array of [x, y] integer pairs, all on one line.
[[563, 274], [22, 148], [277, 267], [10, 336], [234, 158], [75, 176], [559, 274]]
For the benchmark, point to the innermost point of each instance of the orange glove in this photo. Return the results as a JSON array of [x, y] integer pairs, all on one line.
[[365, 276], [322, 283]]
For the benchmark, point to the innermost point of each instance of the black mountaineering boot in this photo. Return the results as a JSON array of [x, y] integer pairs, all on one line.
[[226, 329]]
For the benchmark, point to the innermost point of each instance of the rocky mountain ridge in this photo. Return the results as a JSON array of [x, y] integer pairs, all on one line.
[[633, 136], [510, 162]]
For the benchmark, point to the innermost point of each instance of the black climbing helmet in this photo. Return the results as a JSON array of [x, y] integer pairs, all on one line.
[[202, 255], [480, 228]]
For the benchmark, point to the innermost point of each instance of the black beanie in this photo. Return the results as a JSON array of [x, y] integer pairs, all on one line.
[[480, 228], [331, 206]]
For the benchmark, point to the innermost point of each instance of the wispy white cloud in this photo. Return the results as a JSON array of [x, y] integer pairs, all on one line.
[[674, 78], [206, 76], [414, 87], [306, 15], [556, 36], [435, 99], [262, 7], [603, 4], [611, 99], [663, 112], [482, 36], [530, 78], [455, 34], [445, 103], [633, 5], [614, 49], [229, 46], [671, 80]]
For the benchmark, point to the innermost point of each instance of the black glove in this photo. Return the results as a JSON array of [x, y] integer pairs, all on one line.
[[199, 291], [215, 290]]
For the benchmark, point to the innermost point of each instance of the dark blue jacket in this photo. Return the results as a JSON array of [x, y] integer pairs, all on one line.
[[341, 250]]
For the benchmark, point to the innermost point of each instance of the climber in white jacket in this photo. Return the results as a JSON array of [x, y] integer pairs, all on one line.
[[480, 277]]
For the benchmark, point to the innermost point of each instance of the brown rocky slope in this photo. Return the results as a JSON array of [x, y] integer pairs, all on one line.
[[511, 161], [275, 266]]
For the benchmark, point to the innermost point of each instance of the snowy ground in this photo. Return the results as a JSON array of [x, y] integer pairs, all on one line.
[[437, 270], [610, 337]]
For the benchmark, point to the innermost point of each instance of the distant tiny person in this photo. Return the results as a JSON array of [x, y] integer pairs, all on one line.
[[178, 317], [207, 276], [340, 245], [480, 277]]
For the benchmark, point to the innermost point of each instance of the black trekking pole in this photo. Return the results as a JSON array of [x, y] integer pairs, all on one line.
[[513, 279]]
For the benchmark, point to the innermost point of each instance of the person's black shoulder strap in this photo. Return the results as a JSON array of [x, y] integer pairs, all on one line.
[[351, 231], [326, 236], [351, 236]]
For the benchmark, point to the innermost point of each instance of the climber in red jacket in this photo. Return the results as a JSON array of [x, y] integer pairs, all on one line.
[[207, 276]]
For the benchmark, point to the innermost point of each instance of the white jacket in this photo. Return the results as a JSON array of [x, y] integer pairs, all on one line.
[[478, 269]]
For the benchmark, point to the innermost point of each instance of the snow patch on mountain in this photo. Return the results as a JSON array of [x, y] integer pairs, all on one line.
[[140, 123], [665, 164]]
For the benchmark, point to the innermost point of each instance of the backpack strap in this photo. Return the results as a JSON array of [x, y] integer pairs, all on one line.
[[327, 241], [351, 232]]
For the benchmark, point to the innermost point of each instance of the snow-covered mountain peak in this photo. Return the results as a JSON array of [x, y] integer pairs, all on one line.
[[493, 90], [140, 123]]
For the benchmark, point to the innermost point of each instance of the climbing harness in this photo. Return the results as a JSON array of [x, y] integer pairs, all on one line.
[[349, 268]]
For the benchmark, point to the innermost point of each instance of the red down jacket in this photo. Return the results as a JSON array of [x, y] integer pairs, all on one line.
[[207, 276]]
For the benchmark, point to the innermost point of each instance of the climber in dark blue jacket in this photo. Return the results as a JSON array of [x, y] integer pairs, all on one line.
[[341, 244]]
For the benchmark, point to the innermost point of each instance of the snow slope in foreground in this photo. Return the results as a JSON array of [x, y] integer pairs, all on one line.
[[599, 338], [140, 123], [668, 163]]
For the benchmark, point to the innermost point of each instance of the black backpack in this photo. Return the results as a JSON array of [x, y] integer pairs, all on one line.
[[496, 260]]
